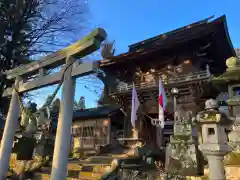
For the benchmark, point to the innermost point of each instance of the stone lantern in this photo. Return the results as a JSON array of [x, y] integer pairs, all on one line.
[[233, 65], [232, 78], [214, 143]]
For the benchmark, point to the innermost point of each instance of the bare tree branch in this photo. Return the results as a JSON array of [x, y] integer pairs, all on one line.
[[31, 28]]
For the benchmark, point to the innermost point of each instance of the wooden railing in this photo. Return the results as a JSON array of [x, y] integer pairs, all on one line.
[[181, 79], [92, 142], [194, 76]]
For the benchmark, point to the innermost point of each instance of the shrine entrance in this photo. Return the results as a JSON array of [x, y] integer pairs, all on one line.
[[148, 130], [92, 128], [89, 134], [66, 77]]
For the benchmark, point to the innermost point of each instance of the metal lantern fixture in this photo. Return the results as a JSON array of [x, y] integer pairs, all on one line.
[[174, 91]]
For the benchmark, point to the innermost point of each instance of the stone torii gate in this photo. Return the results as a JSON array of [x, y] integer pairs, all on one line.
[[66, 56]]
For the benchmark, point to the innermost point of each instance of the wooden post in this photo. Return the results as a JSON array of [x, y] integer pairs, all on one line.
[[63, 135], [159, 136], [9, 132], [109, 140], [127, 123], [81, 136]]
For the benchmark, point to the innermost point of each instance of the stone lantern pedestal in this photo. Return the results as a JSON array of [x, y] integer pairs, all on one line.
[[215, 156]]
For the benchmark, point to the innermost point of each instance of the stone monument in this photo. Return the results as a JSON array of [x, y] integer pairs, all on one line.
[[184, 158]]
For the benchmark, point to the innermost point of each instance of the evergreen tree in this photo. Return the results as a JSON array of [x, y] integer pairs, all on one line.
[[75, 105], [16, 18], [56, 106], [81, 103]]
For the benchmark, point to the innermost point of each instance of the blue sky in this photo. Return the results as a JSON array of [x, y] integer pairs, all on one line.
[[131, 21]]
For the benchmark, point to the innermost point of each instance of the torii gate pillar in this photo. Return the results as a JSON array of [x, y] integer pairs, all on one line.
[[9, 132], [63, 136]]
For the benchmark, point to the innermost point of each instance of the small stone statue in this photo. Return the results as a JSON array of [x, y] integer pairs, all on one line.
[[44, 119], [28, 121], [32, 126], [182, 115]]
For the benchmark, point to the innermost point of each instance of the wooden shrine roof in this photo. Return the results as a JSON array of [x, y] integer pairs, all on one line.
[[179, 36], [103, 111], [161, 37]]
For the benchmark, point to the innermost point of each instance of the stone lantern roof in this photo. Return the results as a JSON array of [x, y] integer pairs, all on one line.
[[212, 115], [232, 73]]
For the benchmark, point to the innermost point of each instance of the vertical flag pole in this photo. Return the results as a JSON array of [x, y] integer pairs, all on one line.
[[135, 106], [162, 101]]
